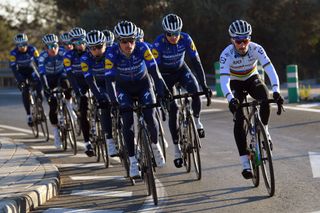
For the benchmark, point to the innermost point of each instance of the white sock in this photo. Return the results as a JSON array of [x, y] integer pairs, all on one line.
[[133, 159], [245, 162], [177, 148]]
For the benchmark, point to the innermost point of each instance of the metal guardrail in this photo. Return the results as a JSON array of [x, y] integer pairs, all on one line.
[[6, 76]]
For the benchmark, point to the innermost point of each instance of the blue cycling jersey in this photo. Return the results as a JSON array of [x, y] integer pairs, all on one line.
[[92, 66], [51, 65], [72, 61], [171, 56], [131, 68], [20, 60]]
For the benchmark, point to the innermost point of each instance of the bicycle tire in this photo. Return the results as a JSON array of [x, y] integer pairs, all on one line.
[[104, 152], [161, 136], [34, 112], [195, 147], [151, 184], [186, 154], [71, 136], [254, 166], [43, 121], [98, 138], [266, 159]]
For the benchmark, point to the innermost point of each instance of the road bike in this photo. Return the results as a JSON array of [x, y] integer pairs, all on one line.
[[260, 148]]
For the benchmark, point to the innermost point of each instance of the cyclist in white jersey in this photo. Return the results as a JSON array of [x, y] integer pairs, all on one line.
[[239, 76]]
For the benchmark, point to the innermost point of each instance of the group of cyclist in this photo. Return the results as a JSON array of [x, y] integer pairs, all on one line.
[[119, 68]]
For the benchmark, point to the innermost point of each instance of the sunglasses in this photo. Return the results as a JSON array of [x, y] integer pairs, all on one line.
[[127, 40], [176, 34], [244, 41], [52, 46], [22, 45], [78, 43], [97, 47]]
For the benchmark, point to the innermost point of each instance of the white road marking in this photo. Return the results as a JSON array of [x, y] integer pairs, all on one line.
[[64, 210], [315, 163], [212, 110], [43, 147], [94, 193], [81, 165], [29, 131], [58, 155], [97, 178], [13, 134], [29, 140]]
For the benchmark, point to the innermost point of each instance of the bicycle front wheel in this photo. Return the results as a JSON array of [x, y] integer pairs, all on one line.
[[194, 142], [161, 136], [42, 119], [34, 112], [69, 125], [148, 166], [266, 159]]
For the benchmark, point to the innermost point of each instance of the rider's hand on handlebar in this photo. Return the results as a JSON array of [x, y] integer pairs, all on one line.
[[47, 92], [21, 85], [208, 94], [277, 97], [233, 105]]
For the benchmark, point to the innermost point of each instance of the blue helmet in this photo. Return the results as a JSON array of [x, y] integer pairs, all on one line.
[[21, 38]]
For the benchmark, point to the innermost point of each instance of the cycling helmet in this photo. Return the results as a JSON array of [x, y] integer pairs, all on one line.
[[109, 37], [50, 39], [95, 37], [65, 37], [172, 23], [21, 38], [240, 28], [125, 29], [140, 33], [77, 33]]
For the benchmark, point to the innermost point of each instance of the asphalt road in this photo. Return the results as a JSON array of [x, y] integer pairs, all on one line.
[[88, 187]]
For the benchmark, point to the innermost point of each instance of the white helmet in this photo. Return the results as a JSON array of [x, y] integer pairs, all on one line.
[[140, 33], [109, 37], [172, 23], [125, 29], [240, 28], [77, 33], [21, 38], [95, 37], [50, 39], [65, 37]]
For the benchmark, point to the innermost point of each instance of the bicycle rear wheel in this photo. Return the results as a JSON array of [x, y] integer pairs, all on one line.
[[254, 165], [69, 125], [266, 159], [148, 165], [34, 112], [194, 142], [104, 151]]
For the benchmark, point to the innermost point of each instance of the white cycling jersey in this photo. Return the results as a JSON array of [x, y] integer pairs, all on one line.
[[233, 66]]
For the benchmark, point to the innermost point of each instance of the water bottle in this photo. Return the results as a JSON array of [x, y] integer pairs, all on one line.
[[257, 155]]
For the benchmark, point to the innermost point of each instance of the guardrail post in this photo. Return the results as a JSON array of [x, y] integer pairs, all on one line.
[[217, 77], [293, 83]]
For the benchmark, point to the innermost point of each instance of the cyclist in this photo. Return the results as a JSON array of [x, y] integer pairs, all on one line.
[[169, 50], [66, 41], [93, 68], [128, 64], [23, 61], [239, 76], [52, 73], [109, 37], [73, 69]]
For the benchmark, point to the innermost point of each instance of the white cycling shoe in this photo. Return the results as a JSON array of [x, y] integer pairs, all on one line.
[[158, 155], [57, 140], [134, 168], [112, 149]]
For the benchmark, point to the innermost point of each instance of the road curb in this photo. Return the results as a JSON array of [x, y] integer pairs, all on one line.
[[39, 193]]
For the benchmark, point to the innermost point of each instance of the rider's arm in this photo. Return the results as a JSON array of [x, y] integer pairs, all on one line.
[[195, 60], [68, 69], [225, 77], [35, 55], [156, 52], [89, 78], [154, 71], [42, 70], [110, 77], [269, 68], [14, 66]]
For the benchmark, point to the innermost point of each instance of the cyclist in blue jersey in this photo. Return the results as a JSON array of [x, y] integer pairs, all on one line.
[[23, 62], [109, 37], [93, 68], [52, 74], [140, 37], [66, 42], [128, 64], [74, 72], [169, 50]]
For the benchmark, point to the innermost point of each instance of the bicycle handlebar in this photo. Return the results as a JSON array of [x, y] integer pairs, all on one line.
[[259, 102]]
